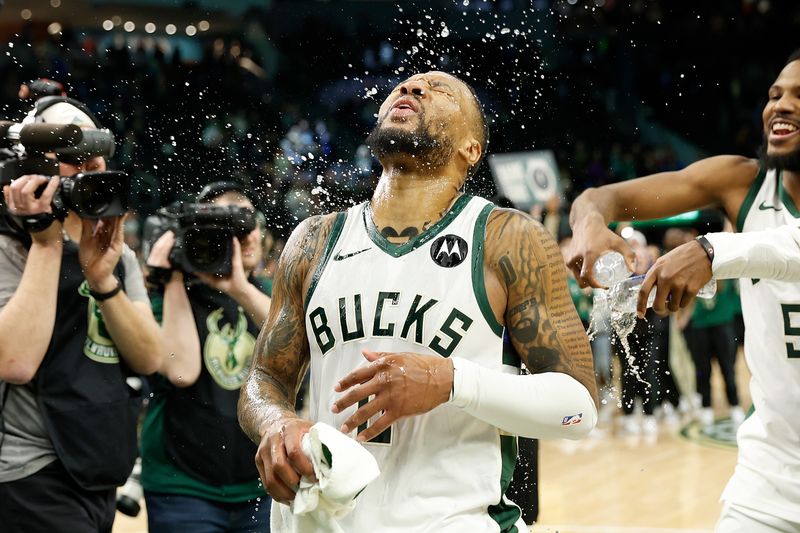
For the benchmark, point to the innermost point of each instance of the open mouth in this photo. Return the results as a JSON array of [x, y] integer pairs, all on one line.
[[404, 107], [782, 129]]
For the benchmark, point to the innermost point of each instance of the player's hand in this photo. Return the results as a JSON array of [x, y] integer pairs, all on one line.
[[403, 384], [234, 284], [679, 275], [99, 251], [280, 459], [591, 238], [159, 253]]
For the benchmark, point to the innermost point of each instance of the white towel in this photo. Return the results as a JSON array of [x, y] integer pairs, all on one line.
[[343, 467]]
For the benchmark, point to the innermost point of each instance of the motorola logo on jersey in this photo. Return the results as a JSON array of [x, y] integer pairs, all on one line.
[[449, 251]]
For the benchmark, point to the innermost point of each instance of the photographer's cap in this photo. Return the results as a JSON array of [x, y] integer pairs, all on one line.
[[218, 188]]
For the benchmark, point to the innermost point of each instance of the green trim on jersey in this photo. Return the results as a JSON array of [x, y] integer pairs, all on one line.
[[504, 512], [336, 232], [750, 198], [784, 196], [397, 250], [510, 355], [478, 283], [159, 474]]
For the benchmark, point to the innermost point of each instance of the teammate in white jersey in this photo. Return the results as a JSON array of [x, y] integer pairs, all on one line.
[[400, 306], [764, 493]]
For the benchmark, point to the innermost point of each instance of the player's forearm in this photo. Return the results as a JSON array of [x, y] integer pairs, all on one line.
[[26, 338], [181, 364], [262, 401], [134, 332], [593, 205], [770, 254], [542, 406]]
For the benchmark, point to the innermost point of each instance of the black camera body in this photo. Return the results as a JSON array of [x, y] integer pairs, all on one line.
[[91, 195], [203, 234]]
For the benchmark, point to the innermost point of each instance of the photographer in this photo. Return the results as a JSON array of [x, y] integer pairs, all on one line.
[[75, 323], [197, 465]]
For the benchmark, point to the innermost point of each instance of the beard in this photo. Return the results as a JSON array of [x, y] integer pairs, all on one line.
[[790, 161], [433, 150]]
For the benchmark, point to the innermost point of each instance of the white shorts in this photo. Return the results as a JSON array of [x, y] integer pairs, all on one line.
[[737, 519]]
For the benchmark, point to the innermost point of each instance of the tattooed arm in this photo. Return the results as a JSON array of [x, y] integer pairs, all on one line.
[[266, 403], [539, 314], [526, 284]]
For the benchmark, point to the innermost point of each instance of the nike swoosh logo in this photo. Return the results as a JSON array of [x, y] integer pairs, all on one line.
[[339, 257], [764, 207]]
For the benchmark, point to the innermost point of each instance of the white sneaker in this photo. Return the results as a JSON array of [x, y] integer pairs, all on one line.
[[737, 416], [630, 425], [696, 400], [650, 425], [671, 417], [684, 405], [706, 417]]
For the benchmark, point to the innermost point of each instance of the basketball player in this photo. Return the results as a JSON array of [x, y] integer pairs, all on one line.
[[764, 492], [400, 305]]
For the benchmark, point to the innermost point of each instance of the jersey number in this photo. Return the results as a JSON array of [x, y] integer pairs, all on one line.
[[791, 315], [385, 437]]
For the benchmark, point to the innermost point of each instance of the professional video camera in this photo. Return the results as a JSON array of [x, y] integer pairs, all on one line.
[[90, 194], [203, 234]]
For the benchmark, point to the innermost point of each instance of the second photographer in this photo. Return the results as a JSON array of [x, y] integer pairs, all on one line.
[[197, 465]]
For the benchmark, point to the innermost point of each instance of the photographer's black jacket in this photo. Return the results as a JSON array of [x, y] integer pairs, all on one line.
[[201, 431], [89, 410]]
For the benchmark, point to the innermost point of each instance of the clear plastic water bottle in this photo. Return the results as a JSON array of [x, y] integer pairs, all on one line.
[[610, 269], [625, 294]]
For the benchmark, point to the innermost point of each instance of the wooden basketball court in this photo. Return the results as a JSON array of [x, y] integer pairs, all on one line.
[[609, 483]]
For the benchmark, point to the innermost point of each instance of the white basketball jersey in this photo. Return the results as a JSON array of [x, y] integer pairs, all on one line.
[[767, 476], [444, 470]]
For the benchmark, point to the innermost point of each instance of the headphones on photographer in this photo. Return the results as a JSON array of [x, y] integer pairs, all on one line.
[[218, 188], [46, 102]]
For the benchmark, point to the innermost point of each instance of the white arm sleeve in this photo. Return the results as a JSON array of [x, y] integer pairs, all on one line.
[[551, 405], [768, 254]]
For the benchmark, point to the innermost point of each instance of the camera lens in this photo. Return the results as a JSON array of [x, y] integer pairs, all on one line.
[[96, 196], [206, 247]]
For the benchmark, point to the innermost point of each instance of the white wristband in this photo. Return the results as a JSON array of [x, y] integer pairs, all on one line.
[[548, 405]]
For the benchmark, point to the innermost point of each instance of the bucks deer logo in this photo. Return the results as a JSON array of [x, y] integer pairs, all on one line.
[[228, 350], [98, 345]]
